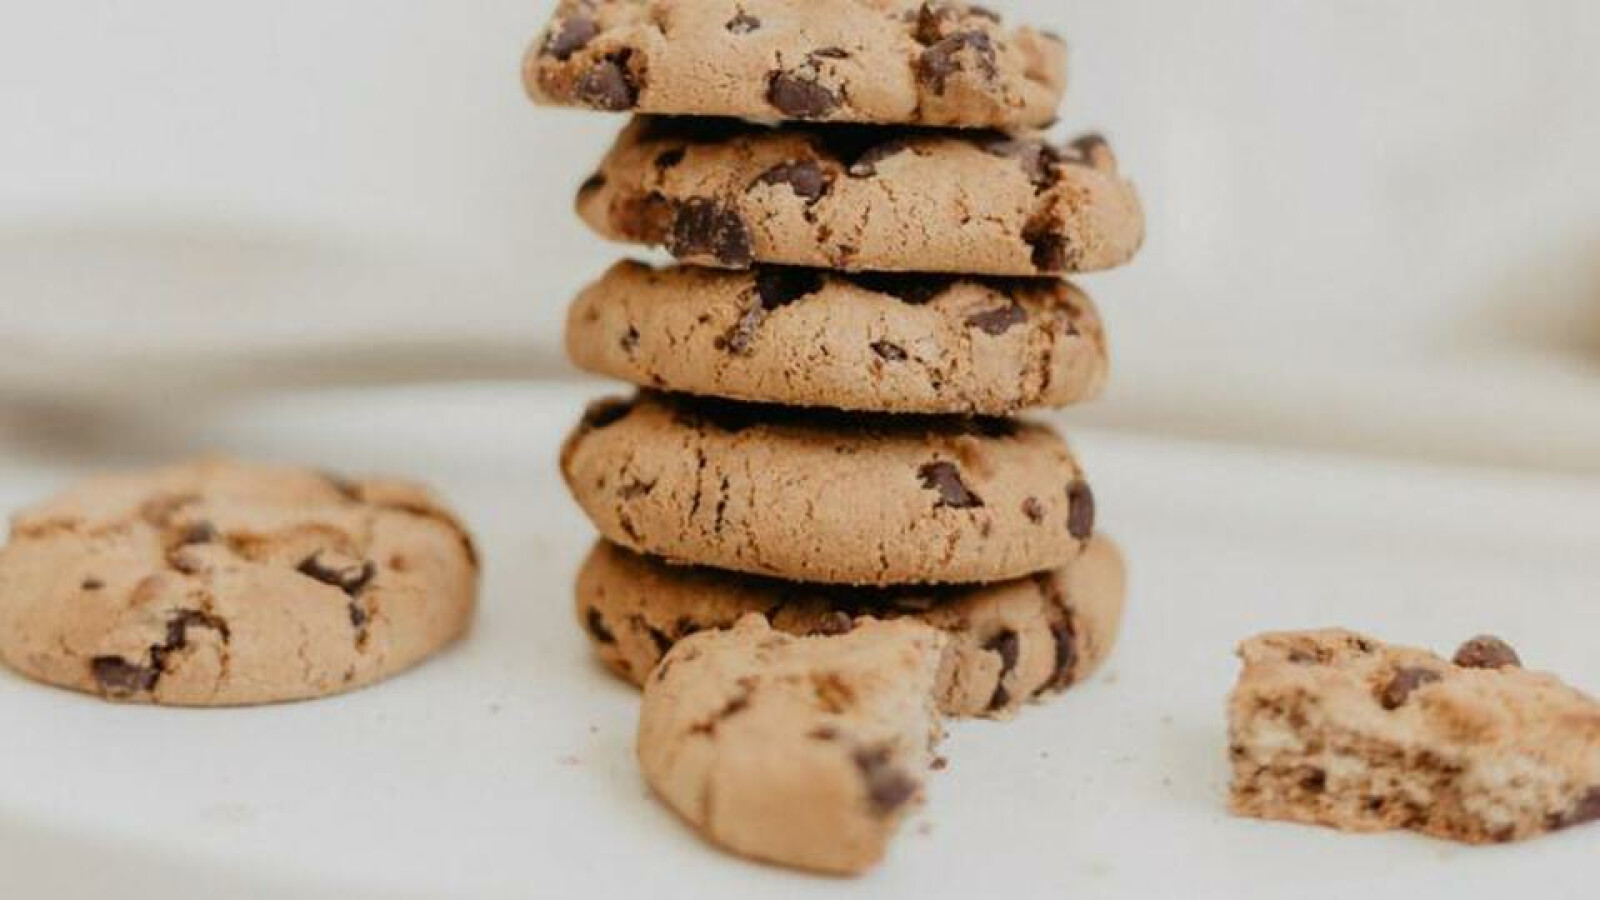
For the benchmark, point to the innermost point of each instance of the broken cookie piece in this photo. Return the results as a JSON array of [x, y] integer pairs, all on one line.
[[1334, 728], [801, 751]]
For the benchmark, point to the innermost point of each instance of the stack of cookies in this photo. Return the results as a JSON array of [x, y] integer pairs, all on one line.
[[822, 529]]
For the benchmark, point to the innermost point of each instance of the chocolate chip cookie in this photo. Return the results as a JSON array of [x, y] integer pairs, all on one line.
[[801, 751], [222, 583], [1009, 643], [806, 337], [726, 194], [829, 497], [881, 61], [1334, 728]]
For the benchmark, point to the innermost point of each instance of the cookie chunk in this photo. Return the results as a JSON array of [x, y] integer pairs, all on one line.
[[879, 343], [1009, 643], [726, 194], [802, 751], [1333, 728], [222, 583], [880, 61], [829, 497]]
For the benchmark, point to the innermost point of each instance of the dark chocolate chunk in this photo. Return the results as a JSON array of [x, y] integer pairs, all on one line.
[[830, 53], [608, 85], [999, 320], [1066, 638], [702, 227], [889, 352], [943, 59], [350, 579], [666, 159], [92, 584], [596, 623], [930, 20], [743, 23], [1007, 645], [1050, 250], [1080, 510], [945, 478], [573, 35], [606, 412], [1033, 509], [1487, 652], [804, 177], [800, 96], [1395, 694], [118, 677], [201, 532], [593, 183], [1038, 159], [888, 786], [629, 339]]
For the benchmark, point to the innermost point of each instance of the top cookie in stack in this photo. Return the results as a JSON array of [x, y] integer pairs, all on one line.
[[868, 232]]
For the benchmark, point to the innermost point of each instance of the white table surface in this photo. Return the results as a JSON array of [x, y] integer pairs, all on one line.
[[505, 768]]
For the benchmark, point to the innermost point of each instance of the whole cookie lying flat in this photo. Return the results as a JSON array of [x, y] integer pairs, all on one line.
[[801, 751], [804, 337], [723, 193], [1334, 728], [829, 497], [221, 583], [1008, 643], [882, 61]]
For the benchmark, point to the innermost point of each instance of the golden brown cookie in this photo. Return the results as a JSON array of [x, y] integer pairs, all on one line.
[[829, 497], [221, 583]]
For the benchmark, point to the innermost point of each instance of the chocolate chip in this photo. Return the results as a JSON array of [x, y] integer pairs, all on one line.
[[1033, 509], [889, 352], [939, 764], [93, 584], [824, 733], [666, 159], [799, 96], [1038, 159], [865, 165], [1007, 645], [1080, 510], [608, 85], [930, 19], [593, 183], [350, 579], [743, 23], [198, 533], [1587, 809], [804, 177], [118, 677], [629, 340], [1085, 148], [702, 227], [943, 59], [945, 478], [1314, 781], [1051, 254], [606, 412], [1487, 652], [1398, 690], [888, 786], [573, 35], [596, 624], [1066, 638], [834, 624], [999, 320], [915, 289], [831, 53]]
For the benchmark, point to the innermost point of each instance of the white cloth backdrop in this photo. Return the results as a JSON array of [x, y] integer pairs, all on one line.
[[1374, 226]]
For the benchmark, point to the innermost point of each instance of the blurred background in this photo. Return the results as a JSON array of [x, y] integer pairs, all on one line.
[[1374, 227]]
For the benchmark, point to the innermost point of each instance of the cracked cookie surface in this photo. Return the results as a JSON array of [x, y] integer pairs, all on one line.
[[878, 61], [802, 751], [726, 194], [814, 495], [1009, 643], [1334, 728], [879, 343], [220, 583]]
